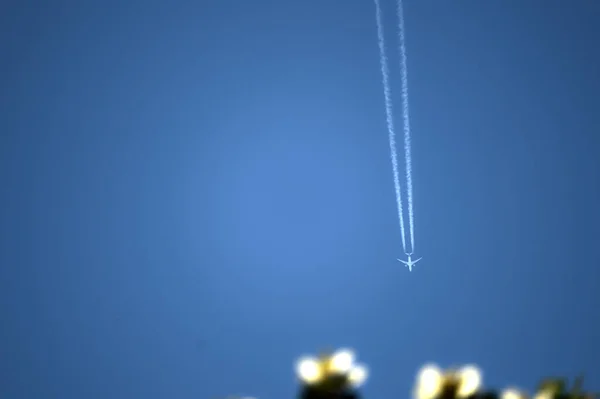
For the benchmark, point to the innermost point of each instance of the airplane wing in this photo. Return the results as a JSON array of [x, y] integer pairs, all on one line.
[[417, 260], [400, 260]]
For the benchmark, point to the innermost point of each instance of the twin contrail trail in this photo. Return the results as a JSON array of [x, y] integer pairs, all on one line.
[[390, 121], [406, 120], [385, 74]]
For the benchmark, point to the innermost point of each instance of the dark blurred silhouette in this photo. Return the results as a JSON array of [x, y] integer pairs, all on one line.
[[335, 376]]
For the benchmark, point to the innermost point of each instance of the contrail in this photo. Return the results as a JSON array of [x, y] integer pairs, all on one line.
[[390, 121], [406, 120]]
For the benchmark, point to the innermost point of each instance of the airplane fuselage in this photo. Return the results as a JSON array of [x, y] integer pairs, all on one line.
[[409, 263]]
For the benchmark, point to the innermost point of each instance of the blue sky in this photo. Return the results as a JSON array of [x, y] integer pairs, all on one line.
[[196, 193]]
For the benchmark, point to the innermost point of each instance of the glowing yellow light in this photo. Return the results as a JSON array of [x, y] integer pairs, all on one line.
[[470, 381], [342, 361], [308, 370], [512, 393], [429, 382], [358, 375]]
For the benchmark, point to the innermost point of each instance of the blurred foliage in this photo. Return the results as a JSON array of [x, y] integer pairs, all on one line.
[[337, 376]]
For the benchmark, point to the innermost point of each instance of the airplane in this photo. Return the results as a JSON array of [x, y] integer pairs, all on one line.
[[410, 263]]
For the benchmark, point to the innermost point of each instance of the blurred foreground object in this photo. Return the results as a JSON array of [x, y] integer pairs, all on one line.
[[336, 376], [330, 376], [553, 388], [434, 383]]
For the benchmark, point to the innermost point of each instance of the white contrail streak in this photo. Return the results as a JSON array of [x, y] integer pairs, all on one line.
[[406, 120], [390, 121]]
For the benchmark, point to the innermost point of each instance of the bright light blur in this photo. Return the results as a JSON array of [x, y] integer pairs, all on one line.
[[512, 393], [470, 381], [308, 370], [342, 361], [429, 382], [358, 375]]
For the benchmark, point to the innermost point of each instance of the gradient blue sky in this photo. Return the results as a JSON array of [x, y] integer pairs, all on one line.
[[196, 193]]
